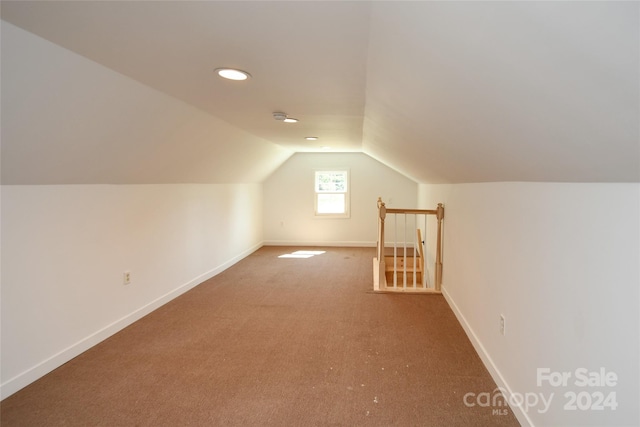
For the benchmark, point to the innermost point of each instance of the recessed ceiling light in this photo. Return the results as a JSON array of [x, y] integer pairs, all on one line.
[[290, 120], [232, 74], [326, 148], [311, 138]]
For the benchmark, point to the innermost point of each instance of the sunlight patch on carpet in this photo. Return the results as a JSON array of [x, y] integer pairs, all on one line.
[[301, 254]]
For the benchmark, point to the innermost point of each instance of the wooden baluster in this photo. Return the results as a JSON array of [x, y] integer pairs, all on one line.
[[415, 255], [395, 251], [421, 258], [404, 257]]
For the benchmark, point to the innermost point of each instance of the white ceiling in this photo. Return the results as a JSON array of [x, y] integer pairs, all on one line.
[[441, 91]]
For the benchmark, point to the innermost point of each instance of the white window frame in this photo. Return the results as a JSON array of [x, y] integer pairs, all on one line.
[[317, 193]]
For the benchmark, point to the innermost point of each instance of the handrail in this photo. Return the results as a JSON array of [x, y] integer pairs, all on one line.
[[412, 211]]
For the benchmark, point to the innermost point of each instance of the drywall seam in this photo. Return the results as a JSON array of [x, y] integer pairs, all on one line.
[[20, 381], [521, 415]]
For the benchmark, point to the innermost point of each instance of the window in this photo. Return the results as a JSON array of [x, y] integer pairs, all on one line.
[[332, 194]]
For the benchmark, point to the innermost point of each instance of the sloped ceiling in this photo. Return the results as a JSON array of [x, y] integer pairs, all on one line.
[[441, 91], [68, 120], [500, 91]]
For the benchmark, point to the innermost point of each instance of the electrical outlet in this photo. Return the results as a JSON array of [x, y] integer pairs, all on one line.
[[502, 324], [127, 278]]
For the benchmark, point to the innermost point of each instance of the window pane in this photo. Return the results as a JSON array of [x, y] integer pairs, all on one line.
[[334, 182], [331, 203]]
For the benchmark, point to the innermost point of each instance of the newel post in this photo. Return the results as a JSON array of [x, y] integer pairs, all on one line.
[[382, 214], [380, 282], [440, 217]]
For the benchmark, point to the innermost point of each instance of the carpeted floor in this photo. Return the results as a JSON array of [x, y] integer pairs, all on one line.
[[274, 342]]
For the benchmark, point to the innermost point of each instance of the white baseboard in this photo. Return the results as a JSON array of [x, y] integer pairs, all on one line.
[[355, 244], [519, 413], [358, 244], [22, 380]]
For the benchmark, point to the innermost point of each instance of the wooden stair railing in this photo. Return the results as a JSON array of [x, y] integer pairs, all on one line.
[[406, 272]]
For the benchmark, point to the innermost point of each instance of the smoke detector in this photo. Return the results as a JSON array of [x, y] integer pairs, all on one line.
[[283, 117]]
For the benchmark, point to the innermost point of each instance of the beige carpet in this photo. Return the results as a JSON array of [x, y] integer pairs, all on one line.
[[274, 342]]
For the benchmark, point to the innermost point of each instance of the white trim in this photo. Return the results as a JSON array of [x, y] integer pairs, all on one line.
[[522, 416], [358, 244], [34, 373]]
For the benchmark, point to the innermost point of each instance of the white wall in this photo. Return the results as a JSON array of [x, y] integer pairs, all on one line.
[[65, 249], [561, 262], [70, 127], [289, 200]]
